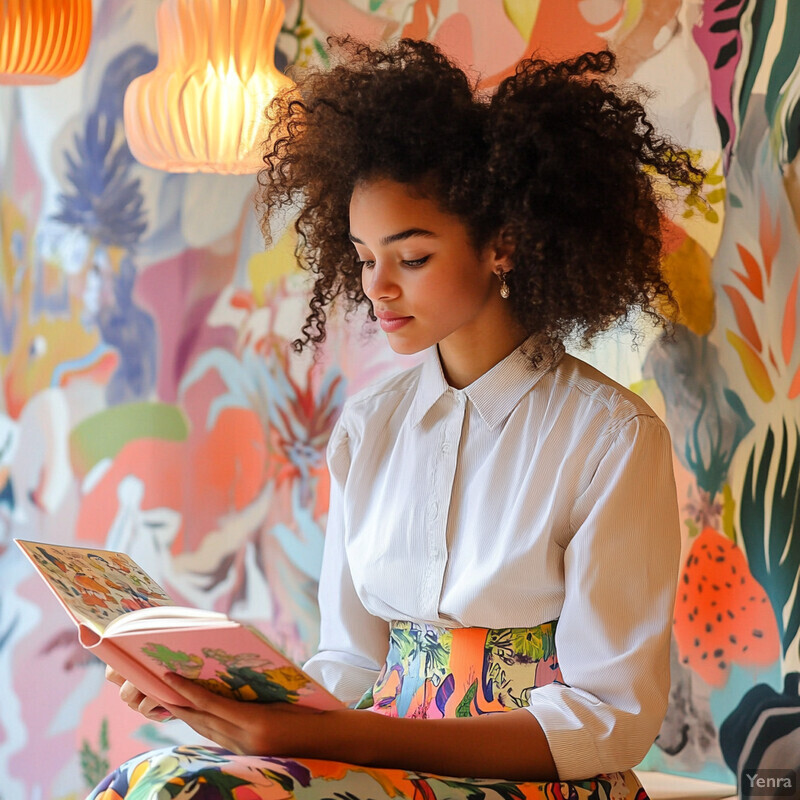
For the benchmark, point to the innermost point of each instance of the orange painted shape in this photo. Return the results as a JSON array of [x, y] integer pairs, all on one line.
[[560, 31], [768, 238], [158, 463], [722, 614], [243, 299], [789, 326], [752, 280], [794, 387], [753, 366], [419, 27], [99, 372], [744, 319], [229, 462]]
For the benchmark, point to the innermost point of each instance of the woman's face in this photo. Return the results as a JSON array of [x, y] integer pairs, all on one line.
[[426, 281]]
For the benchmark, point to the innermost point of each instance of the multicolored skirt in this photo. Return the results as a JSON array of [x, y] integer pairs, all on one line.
[[430, 672]]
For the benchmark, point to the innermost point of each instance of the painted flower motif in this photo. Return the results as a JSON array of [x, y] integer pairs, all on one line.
[[298, 417]]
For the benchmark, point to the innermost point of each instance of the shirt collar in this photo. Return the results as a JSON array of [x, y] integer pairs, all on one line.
[[495, 393]]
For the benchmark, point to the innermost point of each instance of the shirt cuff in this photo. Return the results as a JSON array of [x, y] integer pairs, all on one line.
[[572, 742], [343, 680]]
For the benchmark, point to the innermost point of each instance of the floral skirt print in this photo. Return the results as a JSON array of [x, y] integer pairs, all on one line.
[[430, 672]]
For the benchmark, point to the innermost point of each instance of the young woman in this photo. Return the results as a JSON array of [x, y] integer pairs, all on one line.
[[503, 539]]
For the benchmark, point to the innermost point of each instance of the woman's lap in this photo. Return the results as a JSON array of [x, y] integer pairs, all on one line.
[[210, 773]]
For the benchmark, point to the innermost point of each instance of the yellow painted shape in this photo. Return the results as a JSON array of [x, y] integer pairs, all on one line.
[[246, 693], [728, 512], [705, 222], [753, 366], [631, 17], [269, 266], [522, 14], [688, 272], [39, 347]]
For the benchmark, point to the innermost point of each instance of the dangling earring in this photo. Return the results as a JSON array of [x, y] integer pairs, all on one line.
[[504, 290]]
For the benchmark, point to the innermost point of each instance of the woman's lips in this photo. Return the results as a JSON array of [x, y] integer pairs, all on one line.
[[394, 324]]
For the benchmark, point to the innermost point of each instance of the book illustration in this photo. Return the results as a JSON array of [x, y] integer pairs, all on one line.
[[97, 586], [244, 676]]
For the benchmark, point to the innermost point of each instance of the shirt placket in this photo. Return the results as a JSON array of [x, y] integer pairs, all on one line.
[[437, 507]]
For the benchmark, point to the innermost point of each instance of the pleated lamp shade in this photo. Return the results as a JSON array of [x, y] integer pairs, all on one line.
[[202, 107], [42, 41]]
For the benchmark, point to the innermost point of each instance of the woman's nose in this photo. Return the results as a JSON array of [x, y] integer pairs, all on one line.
[[380, 282]]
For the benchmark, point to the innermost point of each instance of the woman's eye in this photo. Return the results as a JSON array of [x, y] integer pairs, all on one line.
[[366, 264], [415, 262]]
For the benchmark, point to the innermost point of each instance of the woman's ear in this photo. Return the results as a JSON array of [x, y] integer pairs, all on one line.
[[502, 251]]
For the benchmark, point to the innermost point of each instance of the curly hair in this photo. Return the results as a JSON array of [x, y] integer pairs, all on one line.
[[558, 162]]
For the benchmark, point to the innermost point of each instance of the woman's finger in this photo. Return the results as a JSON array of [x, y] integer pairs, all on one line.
[[201, 698], [129, 694], [153, 710], [114, 676]]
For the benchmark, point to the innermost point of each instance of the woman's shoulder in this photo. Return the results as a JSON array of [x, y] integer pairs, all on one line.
[[589, 388]]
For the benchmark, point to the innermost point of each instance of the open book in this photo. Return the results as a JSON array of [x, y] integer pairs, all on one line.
[[126, 619]]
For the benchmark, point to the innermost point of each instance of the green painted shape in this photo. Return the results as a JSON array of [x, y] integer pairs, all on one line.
[[762, 19], [463, 708], [783, 110], [265, 689], [105, 434]]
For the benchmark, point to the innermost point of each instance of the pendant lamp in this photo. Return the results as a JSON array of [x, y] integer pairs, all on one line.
[[202, 107], [42, 41]]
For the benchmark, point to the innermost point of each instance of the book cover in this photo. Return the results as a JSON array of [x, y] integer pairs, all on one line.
[[126, 619]]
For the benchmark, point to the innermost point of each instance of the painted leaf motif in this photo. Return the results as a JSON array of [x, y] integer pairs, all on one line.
[[769, 520], [769, 238], [794, 386], [781, 101], [752, 280], [753, 366], [522, 14], [744, 319], [463, 709], [789, 326], [718, 38]]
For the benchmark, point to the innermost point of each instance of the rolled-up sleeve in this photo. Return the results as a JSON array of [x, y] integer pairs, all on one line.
[[613, 635], [353, 643]]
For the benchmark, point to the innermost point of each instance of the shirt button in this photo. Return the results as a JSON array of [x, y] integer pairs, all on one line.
[[433, 510], [445, 447]]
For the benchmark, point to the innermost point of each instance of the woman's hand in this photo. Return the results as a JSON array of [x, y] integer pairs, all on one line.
[[271, 729], [131, 696]]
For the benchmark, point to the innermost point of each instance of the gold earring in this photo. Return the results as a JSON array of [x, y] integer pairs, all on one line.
[[504, 290]]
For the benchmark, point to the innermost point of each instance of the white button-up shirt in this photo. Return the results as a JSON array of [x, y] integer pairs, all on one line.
[[528, 496]]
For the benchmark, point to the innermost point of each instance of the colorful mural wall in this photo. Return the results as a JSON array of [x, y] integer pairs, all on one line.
[[150, 402]]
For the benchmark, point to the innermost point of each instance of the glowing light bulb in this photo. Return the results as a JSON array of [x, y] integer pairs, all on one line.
[[202, 107]]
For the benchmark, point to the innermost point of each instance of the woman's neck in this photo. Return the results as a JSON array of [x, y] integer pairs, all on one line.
[[467, 358]]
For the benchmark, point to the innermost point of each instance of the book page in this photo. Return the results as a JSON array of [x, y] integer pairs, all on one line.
[[167, 618], [95, 586]]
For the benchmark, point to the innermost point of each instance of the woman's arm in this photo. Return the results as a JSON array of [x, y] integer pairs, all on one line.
[[506, 744]]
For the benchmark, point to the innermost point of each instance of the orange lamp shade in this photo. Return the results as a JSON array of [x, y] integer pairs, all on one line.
[[202, 107], [43, 40]]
